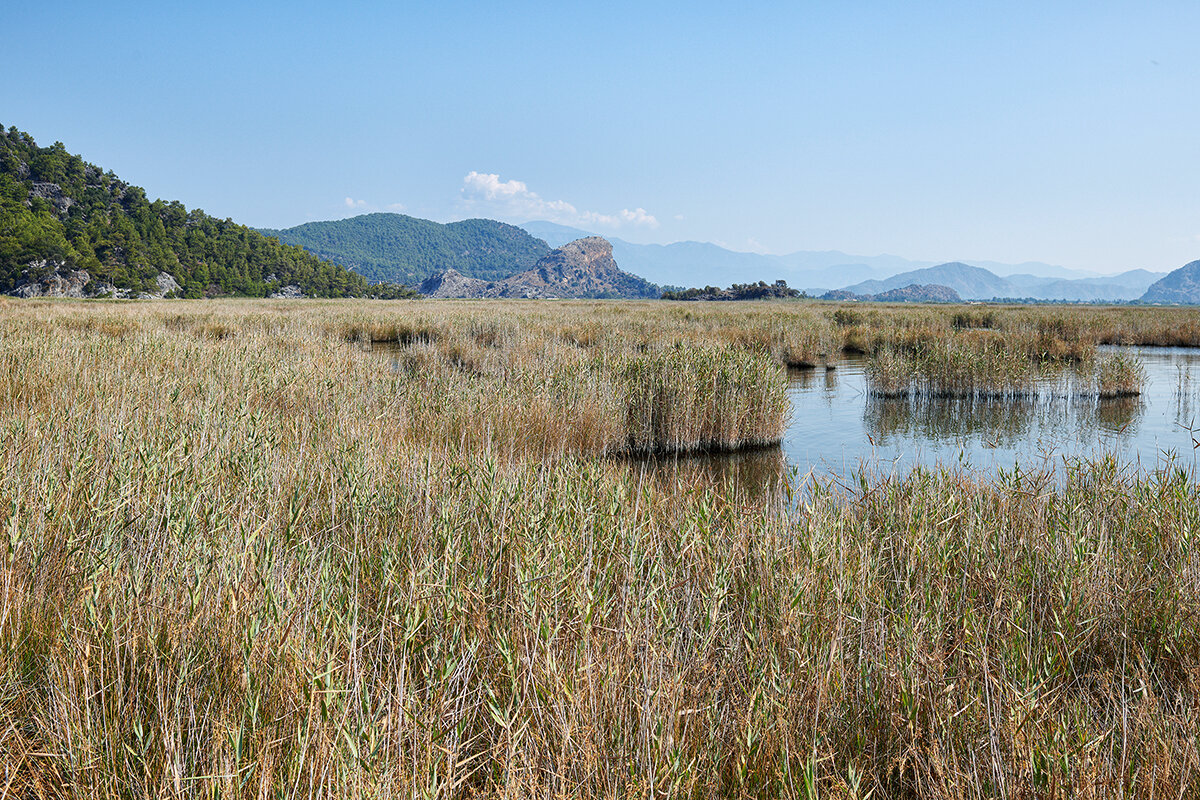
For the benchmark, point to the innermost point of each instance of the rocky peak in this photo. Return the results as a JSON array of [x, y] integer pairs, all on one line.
[[590, 257], [582, 268], [452, 283]]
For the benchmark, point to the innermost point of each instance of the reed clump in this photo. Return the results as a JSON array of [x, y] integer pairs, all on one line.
[[696, 399], [963, 366], [1119, 375]]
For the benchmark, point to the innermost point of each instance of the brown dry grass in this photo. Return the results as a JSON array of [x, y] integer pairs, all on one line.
[[243, 558]]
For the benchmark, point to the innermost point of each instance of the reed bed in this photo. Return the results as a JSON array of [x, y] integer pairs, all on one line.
[[1119, 375], [244, 556], [969, 363], [962, 366]]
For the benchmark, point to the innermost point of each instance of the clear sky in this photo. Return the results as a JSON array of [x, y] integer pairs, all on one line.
[[1062, 132]]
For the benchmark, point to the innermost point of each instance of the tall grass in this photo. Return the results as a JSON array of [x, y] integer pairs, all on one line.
[[1119, 375], [244, 558], [962, 366]]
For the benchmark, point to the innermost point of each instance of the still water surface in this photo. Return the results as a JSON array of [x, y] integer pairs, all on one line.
[[837, 427]]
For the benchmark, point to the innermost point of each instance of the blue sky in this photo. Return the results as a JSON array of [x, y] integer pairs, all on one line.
[[1059, 132]]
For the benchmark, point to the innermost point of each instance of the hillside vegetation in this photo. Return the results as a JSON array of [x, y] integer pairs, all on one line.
[[403, 249], [59, 212]]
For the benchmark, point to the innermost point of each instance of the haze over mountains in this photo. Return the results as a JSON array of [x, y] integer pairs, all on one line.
[[976, 283], [399, 248], [68, 228], [699, 264], [1179, 286]]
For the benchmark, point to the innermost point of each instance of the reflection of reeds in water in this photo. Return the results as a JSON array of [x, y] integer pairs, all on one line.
[[755, 473], [825, 378], [1118, 414], [1185, 397], [998, 422], [955, 419]]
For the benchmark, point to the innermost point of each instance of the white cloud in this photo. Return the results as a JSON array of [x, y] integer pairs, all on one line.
[[513, 199], [365, 206]]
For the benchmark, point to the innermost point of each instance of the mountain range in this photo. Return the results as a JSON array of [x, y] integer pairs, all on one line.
[[403, 249], [68, 227], [976, 283], [700, 264]]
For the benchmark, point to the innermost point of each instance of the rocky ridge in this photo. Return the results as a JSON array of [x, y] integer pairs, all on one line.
[[582, 268], [1181, 286], [913, 293], [51, 279]]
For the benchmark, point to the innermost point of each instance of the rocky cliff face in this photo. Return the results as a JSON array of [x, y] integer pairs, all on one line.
[[582, 268], [58, 282], [1181, 286], [47, 279], [452, 283]]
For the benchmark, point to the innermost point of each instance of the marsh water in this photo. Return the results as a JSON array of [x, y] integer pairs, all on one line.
[[838, 430], [838, 427]]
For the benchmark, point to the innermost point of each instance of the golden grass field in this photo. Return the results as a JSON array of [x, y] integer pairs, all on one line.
[[245, 555]]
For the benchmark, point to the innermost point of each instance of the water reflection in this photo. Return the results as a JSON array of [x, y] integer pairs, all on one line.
[[809, 379], [947, 420], [1119, 415], [838, 427], [758, 473], [995, 423]]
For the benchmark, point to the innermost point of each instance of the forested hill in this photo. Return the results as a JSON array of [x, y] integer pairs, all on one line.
[[57, 212], [403, 249]]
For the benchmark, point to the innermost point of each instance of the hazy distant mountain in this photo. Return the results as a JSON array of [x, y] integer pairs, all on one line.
[[554, 234], [976, 283], [1181, 286], [1125, 286], [700, 264], [971, 283], [403, 249], [1038, 268], [679, 264], [703, 263]]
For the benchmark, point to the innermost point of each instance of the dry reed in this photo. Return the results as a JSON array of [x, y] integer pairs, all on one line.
[[243, 558]]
